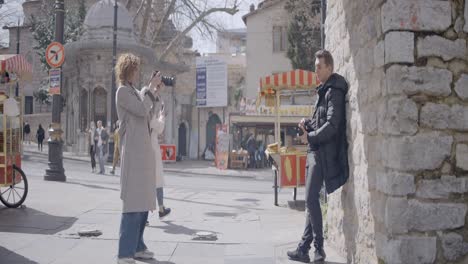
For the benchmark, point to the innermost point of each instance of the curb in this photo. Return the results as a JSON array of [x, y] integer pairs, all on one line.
[[181, 172]]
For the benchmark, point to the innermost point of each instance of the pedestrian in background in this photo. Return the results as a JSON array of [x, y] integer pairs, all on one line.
[[137, 180], [92, 145], [100, 141], [40, 135], [27, 132], [116, 147]]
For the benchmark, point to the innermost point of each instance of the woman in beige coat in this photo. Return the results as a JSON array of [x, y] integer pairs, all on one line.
[[138, 183]]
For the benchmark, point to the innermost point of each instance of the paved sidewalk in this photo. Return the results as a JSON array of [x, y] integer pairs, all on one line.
[[185, 167], [240, 211]]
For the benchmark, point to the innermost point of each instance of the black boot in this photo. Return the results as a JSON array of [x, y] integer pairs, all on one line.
[[319, 255], [299, 255], [165, 212]]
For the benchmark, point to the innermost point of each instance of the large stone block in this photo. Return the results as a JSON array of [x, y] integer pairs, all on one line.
[[399, 47], [461, 86], [466, 18], [441, 47], [399, 116], [416, 15], [441, 188], [413, 80], [441, 116], [453, 246], [379, 54], [425, 151], [406, 249], [396, 215], [395, 183], [462, 156], [435, 216]]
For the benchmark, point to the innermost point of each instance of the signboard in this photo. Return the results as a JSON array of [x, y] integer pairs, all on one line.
[[55, 54], [222, 147], [211, 82], [54, 81], [168, 152]]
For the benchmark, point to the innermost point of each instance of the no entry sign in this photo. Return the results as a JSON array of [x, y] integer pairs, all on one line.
[[55, 54]]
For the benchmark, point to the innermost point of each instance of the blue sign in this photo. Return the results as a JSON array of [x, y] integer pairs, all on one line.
[[201, 86]]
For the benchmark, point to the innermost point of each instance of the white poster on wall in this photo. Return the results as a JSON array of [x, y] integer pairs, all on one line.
[[211, 82]]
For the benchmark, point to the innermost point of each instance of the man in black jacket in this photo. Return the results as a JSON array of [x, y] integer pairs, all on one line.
[[327, 157]]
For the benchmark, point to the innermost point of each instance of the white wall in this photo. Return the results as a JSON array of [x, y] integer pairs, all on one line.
[[261, 60]]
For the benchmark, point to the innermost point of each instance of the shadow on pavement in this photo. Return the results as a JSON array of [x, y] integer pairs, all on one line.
[[240, 207], [154, 261], [11, 257], [92, 186], [31, 221], [171, 228]]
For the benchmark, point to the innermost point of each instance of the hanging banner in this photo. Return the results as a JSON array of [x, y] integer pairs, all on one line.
[[54, 81], [222, 147]]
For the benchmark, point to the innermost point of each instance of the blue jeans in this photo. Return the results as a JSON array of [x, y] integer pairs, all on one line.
[[132, 227]]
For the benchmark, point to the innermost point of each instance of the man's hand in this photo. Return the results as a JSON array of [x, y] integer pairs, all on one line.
[[303, 138]]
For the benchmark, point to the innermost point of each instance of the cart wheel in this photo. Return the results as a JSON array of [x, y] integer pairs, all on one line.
[[275, 186], [14, 195]]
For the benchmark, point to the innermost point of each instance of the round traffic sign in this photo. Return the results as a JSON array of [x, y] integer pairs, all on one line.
[[55, 54]]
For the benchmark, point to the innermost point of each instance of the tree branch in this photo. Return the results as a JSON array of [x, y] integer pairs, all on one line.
[[139, 10], [144, 25], [200, 18], [162, 22]]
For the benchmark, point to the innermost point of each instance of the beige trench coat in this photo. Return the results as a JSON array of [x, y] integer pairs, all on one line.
[[137, 180], [157, 127]]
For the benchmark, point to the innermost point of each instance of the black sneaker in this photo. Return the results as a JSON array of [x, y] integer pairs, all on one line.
[[112, 172], [165, 212], [299, 255], [319, 255]]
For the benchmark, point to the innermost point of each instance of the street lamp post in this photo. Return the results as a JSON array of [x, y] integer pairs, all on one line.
[[114, 88], [56, 171]]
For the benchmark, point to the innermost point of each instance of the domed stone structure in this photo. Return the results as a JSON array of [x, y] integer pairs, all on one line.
[[87, 71]]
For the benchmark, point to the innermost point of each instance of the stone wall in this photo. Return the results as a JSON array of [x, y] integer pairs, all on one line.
[[407, 65]]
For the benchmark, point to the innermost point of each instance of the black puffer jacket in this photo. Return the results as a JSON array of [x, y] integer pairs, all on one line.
[[327, 133]]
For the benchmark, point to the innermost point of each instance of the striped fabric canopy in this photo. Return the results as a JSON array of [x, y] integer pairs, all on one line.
[[296, 79], [15, 63]]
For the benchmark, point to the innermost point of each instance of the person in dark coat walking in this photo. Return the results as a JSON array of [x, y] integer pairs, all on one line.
[[40, 135], [327, 158]]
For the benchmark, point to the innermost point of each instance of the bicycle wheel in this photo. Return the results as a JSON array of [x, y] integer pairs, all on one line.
[[14, 195]]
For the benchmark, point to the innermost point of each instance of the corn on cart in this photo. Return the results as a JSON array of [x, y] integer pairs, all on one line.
[[289, 162], [13, 182]]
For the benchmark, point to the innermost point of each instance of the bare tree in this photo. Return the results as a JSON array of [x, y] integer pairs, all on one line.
[[184, 15]]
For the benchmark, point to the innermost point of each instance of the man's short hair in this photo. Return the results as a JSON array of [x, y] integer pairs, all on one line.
[[326, 55]]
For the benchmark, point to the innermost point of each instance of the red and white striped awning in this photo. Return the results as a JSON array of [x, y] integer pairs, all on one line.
[[296, 79], [15, 63]]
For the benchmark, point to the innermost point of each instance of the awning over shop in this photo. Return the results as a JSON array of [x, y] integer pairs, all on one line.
[[296, 79], [15, 63], [263, 120]]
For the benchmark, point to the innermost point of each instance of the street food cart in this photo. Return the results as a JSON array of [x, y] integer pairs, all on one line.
[[289, 162], [13, 182]]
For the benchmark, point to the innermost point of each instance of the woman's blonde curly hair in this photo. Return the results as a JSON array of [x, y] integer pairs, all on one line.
[[126, 65]]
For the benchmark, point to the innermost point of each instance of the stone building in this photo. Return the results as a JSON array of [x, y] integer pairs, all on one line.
[[407, 65], [88, 72]]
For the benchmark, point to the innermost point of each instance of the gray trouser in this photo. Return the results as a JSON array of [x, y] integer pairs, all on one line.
[[100, 153], [160, 196], [313, 230]]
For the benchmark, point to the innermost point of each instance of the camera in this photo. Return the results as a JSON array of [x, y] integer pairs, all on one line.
[[307, 126], [168, 81]]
